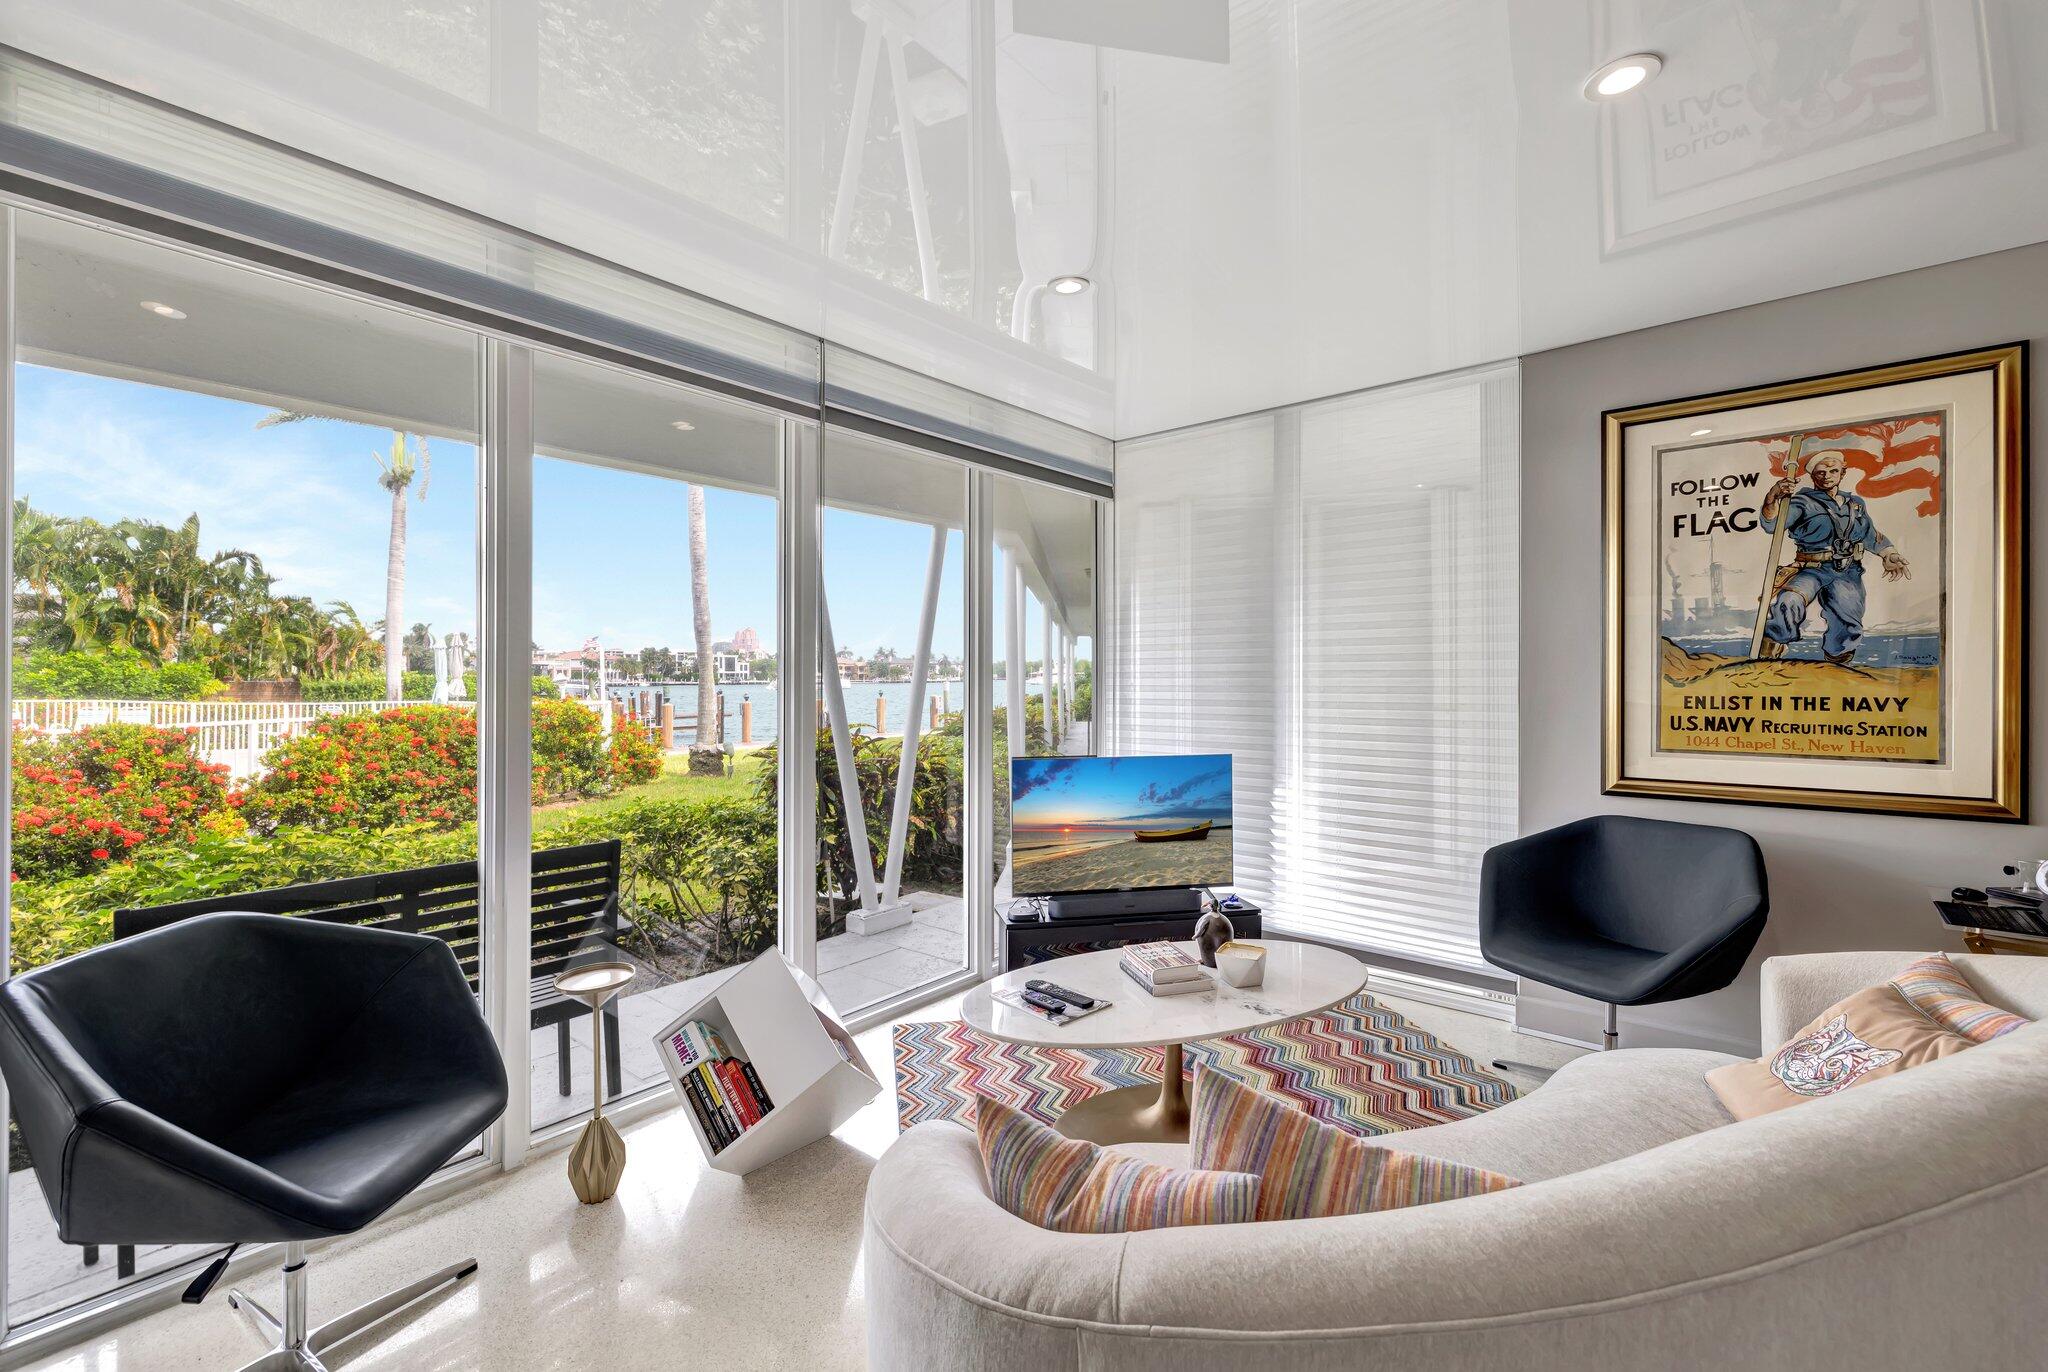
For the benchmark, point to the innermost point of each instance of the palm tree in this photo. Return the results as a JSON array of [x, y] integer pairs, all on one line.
[[405, 462], [700, 604], [395, 474]]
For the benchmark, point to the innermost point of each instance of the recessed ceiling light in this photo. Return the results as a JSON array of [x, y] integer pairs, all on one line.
[[1622, 75], [682, 425], [167, 311], [1069, 285], [1699, 433]]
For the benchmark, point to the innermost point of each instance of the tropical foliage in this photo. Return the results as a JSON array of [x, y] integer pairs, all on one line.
[[703, 866], [932, 841], [82, 586], [112, 674], [53, 919]]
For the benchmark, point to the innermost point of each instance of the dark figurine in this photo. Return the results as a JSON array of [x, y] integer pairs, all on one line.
[[1212, 931]]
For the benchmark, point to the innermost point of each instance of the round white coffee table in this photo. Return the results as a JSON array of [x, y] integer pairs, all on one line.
[[1301, 978]]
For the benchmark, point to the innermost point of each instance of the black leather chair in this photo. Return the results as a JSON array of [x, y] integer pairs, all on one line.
[[1623, 910], [242, 1078]]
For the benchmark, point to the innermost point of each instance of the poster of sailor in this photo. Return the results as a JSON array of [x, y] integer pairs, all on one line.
[[1816, 591], [1804, 607]]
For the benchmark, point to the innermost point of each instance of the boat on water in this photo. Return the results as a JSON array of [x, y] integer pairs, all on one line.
[[1193, 833]]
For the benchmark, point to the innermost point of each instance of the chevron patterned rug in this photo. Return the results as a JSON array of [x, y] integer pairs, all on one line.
[[1360, 1065]]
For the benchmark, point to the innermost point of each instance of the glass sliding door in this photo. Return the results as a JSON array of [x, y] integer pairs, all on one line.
[[246, 634], [655, 664], [1042, 634], [889, 744]]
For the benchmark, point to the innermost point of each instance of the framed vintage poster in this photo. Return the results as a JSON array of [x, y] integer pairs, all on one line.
[[1815, 591]]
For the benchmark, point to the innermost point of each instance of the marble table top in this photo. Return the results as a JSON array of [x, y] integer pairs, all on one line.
[[1301, 978]]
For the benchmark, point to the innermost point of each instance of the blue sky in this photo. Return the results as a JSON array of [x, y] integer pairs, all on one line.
[[1119, 791], [611, 549]]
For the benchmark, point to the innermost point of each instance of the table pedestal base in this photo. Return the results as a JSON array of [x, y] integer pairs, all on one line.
[[1134, 1114]]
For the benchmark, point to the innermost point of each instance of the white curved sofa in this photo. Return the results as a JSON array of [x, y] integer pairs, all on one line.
[[1902, 1224]]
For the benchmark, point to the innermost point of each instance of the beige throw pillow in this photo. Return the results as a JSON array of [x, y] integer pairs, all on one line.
[[1875, 1033]]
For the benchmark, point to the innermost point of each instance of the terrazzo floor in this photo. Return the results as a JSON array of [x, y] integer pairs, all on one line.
[[684, 1268]]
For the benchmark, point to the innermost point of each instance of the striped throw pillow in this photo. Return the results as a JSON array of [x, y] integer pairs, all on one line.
[[1076, 1187], [1308, 1169], [1934, 987]]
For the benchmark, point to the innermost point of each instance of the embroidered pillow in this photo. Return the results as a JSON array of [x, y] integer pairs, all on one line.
[[1076, 1187], [1875, 1033], [1935, 988], [1308, 1169]]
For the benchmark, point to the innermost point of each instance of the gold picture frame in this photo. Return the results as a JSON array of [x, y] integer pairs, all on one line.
[[1886, 672]]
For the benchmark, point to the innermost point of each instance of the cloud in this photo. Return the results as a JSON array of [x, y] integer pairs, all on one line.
[[1157, 795], [1043, 772]]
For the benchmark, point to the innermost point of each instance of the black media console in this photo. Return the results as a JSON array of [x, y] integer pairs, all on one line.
[[1028, 939]]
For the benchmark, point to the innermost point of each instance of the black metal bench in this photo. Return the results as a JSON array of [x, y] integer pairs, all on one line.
[[575, 920]]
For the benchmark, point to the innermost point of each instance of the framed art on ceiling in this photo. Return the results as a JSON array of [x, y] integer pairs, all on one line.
[[1816, 591]]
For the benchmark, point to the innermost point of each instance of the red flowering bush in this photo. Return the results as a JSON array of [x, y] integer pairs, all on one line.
[[569, 759], [634, 757], [413, 764], [95, 796]]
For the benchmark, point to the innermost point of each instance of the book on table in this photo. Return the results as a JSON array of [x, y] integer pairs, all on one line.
[[1164, 969]]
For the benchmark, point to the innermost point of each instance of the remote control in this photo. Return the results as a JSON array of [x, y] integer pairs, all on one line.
[[1045, 1003], [1049, 988]]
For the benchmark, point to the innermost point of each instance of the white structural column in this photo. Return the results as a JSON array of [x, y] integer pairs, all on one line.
[[796, 708], [1045, 691], [906, 770], [505, 716], [842, 751], [1013, 649]]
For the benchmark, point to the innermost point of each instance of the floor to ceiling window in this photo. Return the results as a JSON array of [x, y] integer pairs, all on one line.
[[246, 631], [889, 746], [654, 712], [259, 523]]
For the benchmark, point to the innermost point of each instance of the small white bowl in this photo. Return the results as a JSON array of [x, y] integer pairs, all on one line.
[[1241, 964]]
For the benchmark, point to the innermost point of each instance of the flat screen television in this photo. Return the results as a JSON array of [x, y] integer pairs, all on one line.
[[1118, 823]]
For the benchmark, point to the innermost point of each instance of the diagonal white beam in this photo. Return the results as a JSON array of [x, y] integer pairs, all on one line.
[[913, 171], [856, 142], [906, 770], [842, 752]]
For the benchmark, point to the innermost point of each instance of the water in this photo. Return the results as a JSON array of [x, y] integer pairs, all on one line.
[[1876, 650], [860, 704]]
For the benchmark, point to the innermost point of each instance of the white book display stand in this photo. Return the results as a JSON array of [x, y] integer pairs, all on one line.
[[804, 1057]]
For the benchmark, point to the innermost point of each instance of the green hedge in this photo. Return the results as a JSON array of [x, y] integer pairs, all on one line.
[[110, 674], [53, 919]]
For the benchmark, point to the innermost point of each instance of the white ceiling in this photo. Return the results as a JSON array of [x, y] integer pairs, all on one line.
[[1378, 189], [1367, 190]]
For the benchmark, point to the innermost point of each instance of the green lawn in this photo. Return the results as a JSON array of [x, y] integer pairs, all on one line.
[[674, 783]]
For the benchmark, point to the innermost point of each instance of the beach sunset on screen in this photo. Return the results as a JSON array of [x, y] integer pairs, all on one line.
[[1119, 823]]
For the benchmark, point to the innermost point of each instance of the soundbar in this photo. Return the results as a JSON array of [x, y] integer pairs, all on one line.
[[1168, 900]]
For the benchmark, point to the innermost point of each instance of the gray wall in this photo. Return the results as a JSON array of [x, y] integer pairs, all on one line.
[[1838, 880]]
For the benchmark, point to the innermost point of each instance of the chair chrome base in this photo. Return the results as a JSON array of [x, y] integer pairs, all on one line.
[[1610, 1038], [296, 1349]]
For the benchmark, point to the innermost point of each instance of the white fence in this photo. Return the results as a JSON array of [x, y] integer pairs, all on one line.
[[235, 732]]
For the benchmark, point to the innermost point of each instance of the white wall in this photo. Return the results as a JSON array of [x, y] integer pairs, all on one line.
[[1838, 881]]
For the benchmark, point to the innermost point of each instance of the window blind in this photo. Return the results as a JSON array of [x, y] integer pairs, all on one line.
[[1328, 591]]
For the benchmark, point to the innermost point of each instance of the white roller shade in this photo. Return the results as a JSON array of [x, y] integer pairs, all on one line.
[[1328, 592]]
